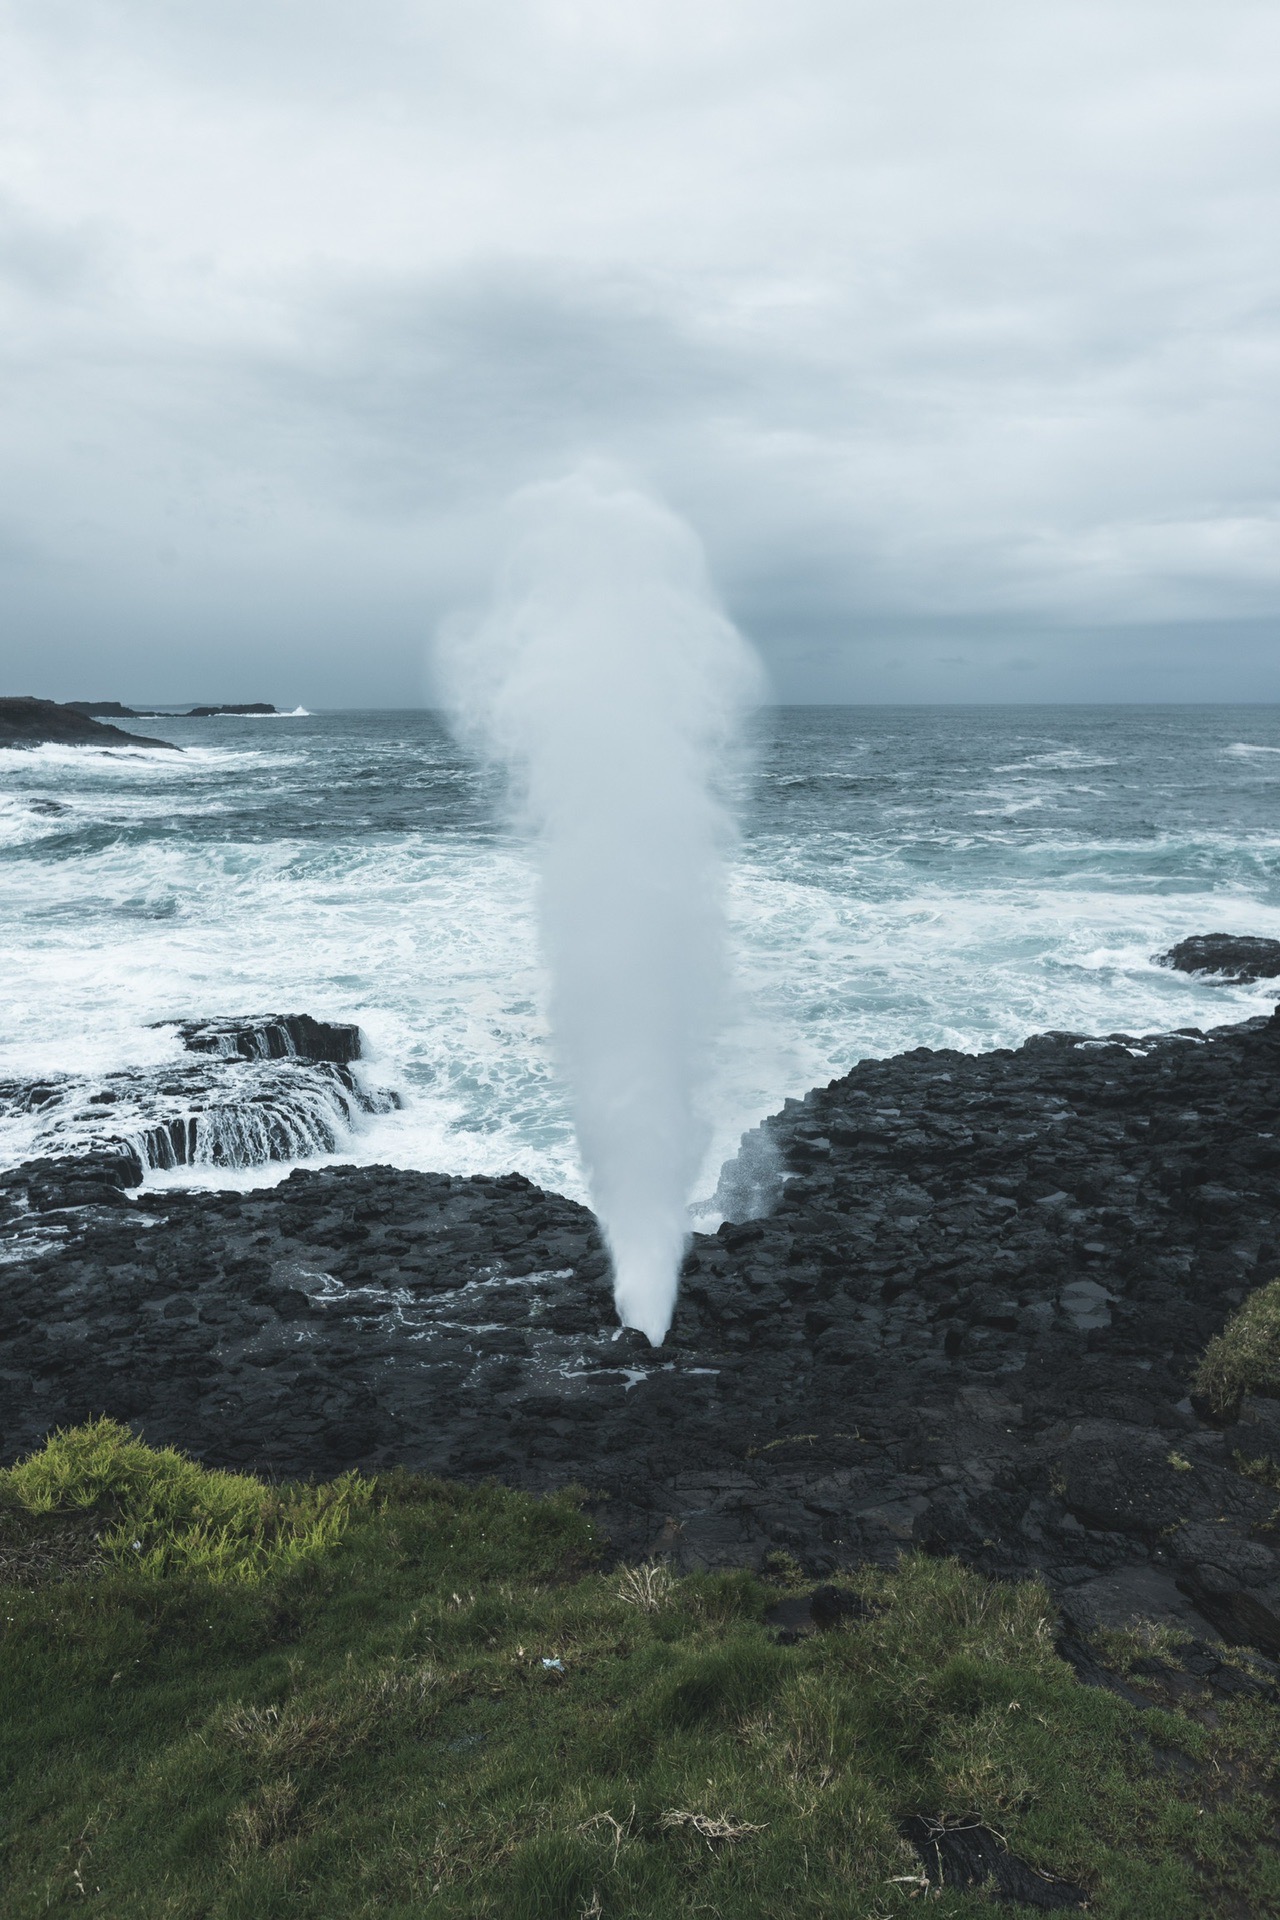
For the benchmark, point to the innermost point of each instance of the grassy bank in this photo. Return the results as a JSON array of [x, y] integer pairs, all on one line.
[[405, 1698]]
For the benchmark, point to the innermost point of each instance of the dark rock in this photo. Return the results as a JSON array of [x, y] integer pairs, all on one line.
[[25, 722], [1255, 1436], [800, 1614], [1121, 1480], [273, 1036], [1234, 1581], [965, 1854], [1238, 959], [103, 709], [91, 1179], [243, 706], [832, 1606], [970, 1327], [1074, 1644], [792, 1619], [1247, 1617], [1201, 1667], [1129, 1592], [257, 1091]]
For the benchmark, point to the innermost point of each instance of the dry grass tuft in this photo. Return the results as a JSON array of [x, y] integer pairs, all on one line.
[[619, 1830], [713, 1828], [286, 1736], [362, 1710], [398, 1690], [802, 1743], [39, 1550], [649, 1587]]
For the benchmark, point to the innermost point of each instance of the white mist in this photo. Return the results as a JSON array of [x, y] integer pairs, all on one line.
[[605, 675]]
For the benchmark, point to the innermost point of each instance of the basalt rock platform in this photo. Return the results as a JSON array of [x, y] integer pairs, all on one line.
[[968, 1322]]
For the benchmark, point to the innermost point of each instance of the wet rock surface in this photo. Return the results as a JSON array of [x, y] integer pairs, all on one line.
[[273, 1036], [1237, 958], [969, 1324], [261, 1088]]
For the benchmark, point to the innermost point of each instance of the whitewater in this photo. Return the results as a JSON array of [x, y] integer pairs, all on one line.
[[943, 877]]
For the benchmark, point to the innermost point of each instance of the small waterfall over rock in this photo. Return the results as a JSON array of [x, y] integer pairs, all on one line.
[[279, 1036], [278, 1088]]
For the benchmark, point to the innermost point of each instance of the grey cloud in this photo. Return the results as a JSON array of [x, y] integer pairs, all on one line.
[[43, 261], [470, 384], [954, 331]]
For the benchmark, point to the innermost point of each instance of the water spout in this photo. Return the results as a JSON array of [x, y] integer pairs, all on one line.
[[605, 675]]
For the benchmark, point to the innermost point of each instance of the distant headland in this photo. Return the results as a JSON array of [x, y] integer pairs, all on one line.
[[26, 722], [112, 708]]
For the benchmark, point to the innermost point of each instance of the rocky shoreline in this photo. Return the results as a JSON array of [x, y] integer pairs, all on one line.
[[966, 1318], [280, 1087], [27, 722]]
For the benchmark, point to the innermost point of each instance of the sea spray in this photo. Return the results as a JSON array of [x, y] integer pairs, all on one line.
[[607, 678]]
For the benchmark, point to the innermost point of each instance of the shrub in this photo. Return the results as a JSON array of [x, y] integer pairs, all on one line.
[[1245, 1356], [165, 1512]]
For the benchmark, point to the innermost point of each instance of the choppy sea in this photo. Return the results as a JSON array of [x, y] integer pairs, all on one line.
[[957, 877]]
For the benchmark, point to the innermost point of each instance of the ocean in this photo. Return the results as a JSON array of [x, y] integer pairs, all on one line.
[[904, 877]]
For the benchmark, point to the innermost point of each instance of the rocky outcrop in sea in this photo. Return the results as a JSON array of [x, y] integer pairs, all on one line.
[[25, 722], [280, 1087], [1235, 959], [964, 1317], [113, 710]]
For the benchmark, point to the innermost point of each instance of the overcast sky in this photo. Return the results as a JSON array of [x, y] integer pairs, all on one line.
[[953, 328]]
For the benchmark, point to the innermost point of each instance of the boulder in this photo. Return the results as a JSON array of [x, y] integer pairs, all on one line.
[[1238, 959]]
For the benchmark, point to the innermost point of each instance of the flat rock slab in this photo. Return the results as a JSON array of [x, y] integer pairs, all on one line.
[[969, 1324]]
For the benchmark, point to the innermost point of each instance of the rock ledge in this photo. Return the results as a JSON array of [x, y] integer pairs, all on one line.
[[969, 1325]]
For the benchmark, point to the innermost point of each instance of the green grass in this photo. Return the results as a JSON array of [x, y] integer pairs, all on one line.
[[1245, 1356], [165, 1513], [369, 1727]]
